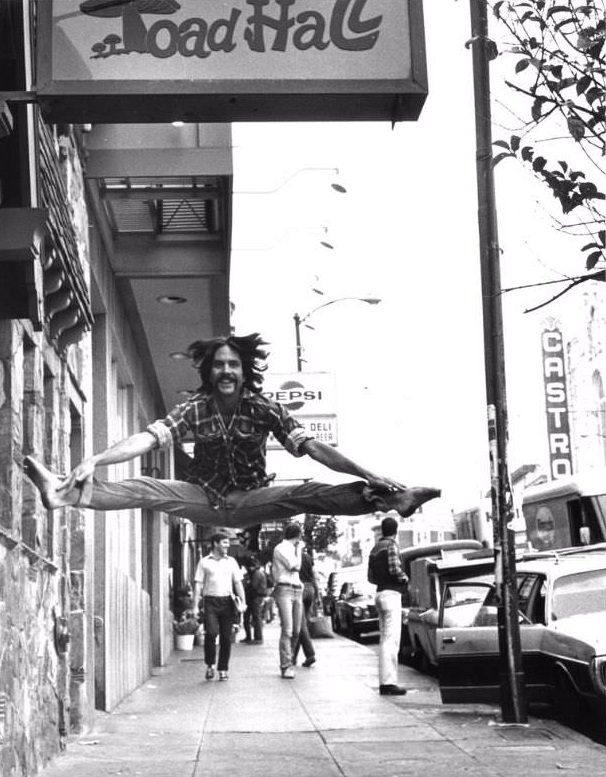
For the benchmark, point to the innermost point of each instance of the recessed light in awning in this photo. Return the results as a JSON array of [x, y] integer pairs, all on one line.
[[168, 299]]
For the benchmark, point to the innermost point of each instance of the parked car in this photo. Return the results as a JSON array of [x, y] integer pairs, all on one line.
[[442, 549], [562, 603], [350, 602], [334, 583], [427, 577]]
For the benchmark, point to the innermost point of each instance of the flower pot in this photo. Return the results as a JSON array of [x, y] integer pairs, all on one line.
[[184, 641]]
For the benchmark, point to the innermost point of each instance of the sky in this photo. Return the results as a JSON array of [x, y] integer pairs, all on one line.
[[409, 371]]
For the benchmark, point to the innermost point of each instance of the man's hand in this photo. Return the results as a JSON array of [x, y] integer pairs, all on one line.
[[131, 447], [385, 484], [79, 475]]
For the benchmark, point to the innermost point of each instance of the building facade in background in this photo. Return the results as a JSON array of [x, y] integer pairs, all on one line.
[[100, 233]]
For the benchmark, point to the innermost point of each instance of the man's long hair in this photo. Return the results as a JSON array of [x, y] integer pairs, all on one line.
[[250, 350]]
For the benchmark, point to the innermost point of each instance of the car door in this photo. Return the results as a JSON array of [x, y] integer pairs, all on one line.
[[468, 647]]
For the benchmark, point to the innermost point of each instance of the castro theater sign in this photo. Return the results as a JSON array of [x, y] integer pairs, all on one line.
[[310, 398], [556, 399], [115, 61]]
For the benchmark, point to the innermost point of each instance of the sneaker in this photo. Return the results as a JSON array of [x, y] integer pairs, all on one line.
[[309, 661], [210, 673], [246, 641], [288, 673], [392, 690], [222, 674]]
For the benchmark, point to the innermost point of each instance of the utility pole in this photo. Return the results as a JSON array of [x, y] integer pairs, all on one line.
[[301, 319], [513, 702], [297, 319]]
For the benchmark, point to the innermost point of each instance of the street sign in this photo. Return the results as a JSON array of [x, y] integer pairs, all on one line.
[[321, 427], [556, 399], [117, 61], [310, 397]]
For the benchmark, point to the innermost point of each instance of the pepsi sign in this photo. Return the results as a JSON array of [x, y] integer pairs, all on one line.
[[305, 393], [310, 398]]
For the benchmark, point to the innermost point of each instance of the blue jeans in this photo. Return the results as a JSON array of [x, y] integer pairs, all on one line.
[[289, 601], [239, 508]]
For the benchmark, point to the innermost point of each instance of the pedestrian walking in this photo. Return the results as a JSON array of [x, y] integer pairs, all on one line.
[[311, 596], [218, 579], [230, 421], [385, 571], [255, 589], [288, 595], [269, 603]]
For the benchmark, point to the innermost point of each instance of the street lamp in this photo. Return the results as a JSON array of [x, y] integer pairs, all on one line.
[[282, 238], [337, 187], [301, 319]]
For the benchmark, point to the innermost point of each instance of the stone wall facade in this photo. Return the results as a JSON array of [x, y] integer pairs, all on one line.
[[46, 687], [35, 582]]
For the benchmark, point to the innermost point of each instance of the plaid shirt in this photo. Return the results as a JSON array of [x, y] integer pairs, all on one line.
[[230, 456], [385, 567]]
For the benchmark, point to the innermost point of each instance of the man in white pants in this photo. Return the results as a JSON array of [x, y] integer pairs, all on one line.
[[385, 571]]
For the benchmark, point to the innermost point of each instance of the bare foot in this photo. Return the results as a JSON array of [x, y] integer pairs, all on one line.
[[407, 502], [46, 482]]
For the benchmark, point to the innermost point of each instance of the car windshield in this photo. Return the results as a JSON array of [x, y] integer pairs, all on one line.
[[358, 587], [579, 594]]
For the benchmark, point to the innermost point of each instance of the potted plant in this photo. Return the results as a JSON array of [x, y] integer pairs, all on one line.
[[185, 629]]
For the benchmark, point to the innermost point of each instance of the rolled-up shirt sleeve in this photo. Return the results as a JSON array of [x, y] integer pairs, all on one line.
[[289, 432], [161, 433], [168, 430]]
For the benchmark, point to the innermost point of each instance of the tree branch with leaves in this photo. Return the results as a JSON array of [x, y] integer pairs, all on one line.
[[558, 46]]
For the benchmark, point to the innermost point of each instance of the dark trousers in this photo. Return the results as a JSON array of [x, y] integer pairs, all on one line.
[[254, 616], [218, 622]]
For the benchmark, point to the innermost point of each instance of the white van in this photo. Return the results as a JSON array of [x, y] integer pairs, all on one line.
[[567, 512]]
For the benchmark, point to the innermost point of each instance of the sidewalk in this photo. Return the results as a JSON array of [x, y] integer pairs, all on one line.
[[329, 722]]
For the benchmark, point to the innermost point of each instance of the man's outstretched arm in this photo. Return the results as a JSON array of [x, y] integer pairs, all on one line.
[[130, 448], [336, 461]]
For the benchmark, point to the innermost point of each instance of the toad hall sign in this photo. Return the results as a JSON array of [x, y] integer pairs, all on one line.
[[230, 60]]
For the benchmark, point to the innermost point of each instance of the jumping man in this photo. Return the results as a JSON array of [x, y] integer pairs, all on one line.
[[226, 483]]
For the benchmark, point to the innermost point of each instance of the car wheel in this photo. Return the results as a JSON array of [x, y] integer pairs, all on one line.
[[421, 661], [334, 622], [567, 704], [405, 650], [350, 631]]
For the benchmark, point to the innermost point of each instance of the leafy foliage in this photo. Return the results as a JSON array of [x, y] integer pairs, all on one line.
[[187, 623], [558, 46], [319, 532]]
